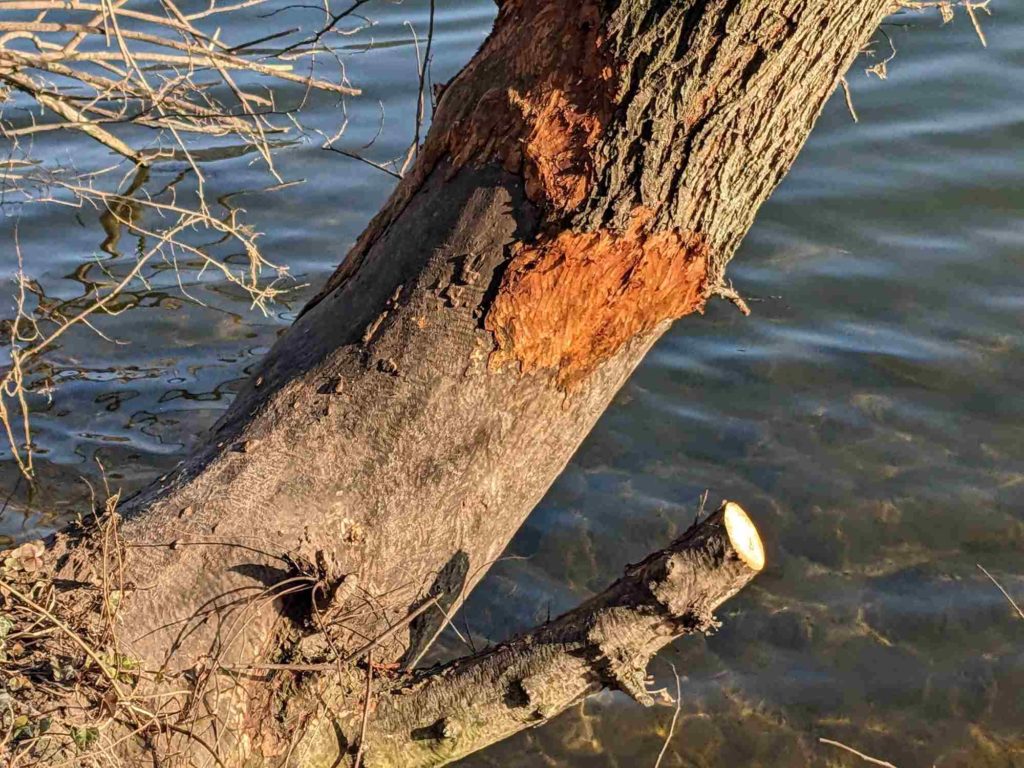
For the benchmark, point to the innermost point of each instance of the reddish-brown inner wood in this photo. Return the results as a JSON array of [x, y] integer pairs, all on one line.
[[569, 302]]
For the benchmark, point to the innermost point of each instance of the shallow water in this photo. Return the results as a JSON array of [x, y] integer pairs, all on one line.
[[868, 414]]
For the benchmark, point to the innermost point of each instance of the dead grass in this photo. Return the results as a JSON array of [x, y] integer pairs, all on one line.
[[72, 694], [69, 686]]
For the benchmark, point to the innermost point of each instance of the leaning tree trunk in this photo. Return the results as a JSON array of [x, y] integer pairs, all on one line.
[[586, 179]]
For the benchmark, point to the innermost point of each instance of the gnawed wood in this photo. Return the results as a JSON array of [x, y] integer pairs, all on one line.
[[567, 303], [534, 100]]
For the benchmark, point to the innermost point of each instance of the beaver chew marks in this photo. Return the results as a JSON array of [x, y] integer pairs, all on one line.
[[545, 120], [535, 99], [557, 162], [568, 303]]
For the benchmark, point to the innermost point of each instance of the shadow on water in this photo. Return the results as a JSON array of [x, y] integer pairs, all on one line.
[[868, 414]]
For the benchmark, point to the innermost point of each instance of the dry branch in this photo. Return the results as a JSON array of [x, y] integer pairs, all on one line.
[[65, 66], [607, 642]]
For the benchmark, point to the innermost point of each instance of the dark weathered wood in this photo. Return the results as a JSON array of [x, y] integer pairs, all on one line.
[[587, 177]]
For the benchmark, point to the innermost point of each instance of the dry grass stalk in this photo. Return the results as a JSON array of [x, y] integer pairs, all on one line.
[[858, 753], [56, 652], [1013, 603], [675, 718]]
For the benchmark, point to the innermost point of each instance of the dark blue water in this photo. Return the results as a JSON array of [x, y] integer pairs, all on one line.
[[868, 414]]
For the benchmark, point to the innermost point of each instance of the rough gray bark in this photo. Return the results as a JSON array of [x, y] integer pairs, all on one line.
[[586, 179]]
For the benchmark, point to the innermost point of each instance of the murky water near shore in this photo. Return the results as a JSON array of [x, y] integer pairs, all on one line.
[[868, 414]]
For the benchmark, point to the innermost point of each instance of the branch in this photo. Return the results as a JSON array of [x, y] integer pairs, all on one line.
[[64, 109], [607, 642]]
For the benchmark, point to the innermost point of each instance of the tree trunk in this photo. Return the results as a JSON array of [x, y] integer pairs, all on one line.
[[586, 179]]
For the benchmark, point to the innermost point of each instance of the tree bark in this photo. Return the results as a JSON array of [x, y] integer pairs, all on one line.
[[586, 179]]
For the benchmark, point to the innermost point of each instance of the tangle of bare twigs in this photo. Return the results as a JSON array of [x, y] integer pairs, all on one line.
[[144, 82]]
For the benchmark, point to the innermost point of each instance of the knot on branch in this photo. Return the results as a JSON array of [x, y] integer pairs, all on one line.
[[621, 652], [443, 729], [679, 588], [528, 693]]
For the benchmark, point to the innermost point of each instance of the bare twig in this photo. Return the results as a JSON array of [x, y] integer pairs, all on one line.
[[354, 656], [999, 586], [729, 293], [675, 717], [849, 99], [861, 755], [971, 8], [945, 8], [101, 69], [360, 158], [421, 103], [366, 708]]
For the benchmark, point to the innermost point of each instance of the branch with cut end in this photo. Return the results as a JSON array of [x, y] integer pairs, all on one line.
[[607, 642]]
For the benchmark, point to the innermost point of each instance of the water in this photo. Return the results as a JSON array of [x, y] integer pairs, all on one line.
[[868, 414]]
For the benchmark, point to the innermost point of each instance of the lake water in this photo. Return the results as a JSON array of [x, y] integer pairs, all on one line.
[[868, 415]]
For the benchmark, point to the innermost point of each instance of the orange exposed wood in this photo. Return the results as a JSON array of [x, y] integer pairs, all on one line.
[[534, 99], [568, 303], [547, 118], [556, 150]]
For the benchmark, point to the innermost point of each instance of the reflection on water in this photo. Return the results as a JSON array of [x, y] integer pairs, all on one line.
[[868, 414]]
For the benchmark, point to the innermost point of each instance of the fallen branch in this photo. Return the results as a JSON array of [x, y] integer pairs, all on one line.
[[607, 642]]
